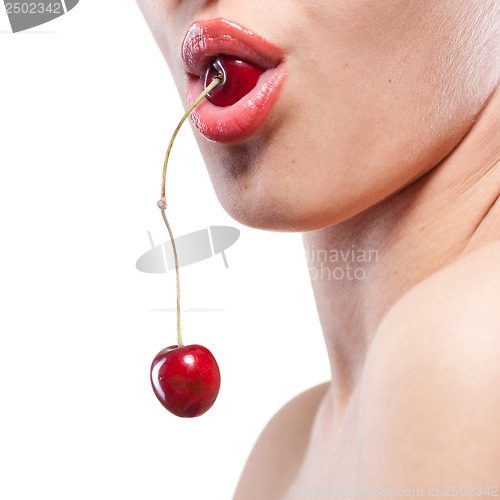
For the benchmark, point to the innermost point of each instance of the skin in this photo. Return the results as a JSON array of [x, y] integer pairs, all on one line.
[[385, 138]]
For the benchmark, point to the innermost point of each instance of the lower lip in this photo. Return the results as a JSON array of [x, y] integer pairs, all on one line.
[[242, 119]]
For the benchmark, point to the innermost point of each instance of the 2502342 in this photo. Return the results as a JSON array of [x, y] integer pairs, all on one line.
[[33, 8], [470, 491]]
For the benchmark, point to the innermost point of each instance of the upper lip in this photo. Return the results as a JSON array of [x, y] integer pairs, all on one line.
[[207, 39]]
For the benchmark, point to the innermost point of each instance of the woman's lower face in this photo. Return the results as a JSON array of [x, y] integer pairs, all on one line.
[[375, 94]]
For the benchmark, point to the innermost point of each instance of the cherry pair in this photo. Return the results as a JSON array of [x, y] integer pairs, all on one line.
[[186, 379]]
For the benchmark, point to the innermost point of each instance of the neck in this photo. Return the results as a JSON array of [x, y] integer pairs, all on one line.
[[359, 268]]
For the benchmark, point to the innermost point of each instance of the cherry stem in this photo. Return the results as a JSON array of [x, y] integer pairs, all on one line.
[[163, 205]]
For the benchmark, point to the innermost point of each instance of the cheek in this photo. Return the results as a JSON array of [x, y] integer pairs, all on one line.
[[367, 107], [319, 164]]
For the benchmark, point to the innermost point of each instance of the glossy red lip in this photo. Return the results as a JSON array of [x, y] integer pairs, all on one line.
[[239, 121]]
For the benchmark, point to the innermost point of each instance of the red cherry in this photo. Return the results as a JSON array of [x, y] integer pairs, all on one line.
[[186, 380], [238, 79]]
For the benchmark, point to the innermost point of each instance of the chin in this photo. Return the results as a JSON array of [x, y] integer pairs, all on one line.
[[277, 211], [284, 192]]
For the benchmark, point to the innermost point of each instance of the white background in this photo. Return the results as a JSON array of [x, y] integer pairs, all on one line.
[[87, 109]]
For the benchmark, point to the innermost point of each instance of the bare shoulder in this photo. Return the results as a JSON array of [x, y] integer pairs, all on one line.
[[430, 394], [278, 452], [463, 295]]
